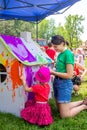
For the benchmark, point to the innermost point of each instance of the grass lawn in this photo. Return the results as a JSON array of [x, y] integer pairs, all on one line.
[[79, 122]]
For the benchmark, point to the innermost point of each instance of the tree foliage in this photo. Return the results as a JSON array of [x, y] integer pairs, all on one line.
[[61, 30], [74, 29], [15, 27], [46, 29], [71, 30]]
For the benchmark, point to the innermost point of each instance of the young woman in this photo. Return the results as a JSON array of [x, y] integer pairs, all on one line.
[[62, 82]]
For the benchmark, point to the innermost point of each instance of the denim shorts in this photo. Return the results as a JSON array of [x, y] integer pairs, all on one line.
[[62, 90]]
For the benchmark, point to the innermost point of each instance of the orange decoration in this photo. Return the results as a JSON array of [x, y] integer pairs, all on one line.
[[16, 71]]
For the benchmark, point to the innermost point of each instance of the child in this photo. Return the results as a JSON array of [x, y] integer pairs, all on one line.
[[38, 111], [50, 51]]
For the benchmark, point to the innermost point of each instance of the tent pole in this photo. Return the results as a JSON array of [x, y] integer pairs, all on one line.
[[37, 32]]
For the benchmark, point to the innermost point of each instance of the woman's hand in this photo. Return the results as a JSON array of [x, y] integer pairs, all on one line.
[[74, 73], [52, 71]]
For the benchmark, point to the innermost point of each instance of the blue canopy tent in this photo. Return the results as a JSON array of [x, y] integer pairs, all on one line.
[[32, 10]]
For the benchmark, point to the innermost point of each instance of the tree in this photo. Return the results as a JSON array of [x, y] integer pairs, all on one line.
[[46, 29], [71, 30], [6, 27], [61, 30], [42, 29], [15, 27], [51, 29], [74, 29]]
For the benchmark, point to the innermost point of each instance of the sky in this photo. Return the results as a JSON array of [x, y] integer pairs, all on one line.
[[79, 8]]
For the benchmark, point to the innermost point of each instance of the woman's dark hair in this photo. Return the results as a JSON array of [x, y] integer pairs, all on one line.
[[57, 39], [67, 43]]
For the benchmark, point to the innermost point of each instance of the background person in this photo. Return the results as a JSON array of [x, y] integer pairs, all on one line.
[[77, 78], [80, 56], [50, 51]]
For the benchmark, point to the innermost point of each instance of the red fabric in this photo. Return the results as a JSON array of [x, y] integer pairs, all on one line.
[[41, 92], [76, 69], [51, 53], [37, 113], [46, 47]]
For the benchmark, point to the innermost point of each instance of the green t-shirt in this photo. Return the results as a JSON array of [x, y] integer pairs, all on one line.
[[64, 58]]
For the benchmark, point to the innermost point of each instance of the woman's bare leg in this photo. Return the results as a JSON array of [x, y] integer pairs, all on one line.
[[71, 104], [75, 104], [67, 111]]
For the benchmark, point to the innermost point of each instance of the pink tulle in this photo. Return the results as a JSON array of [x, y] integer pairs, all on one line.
[[37, 113]]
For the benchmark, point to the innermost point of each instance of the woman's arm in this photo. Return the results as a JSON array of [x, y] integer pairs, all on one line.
[[25, 85], [67, 75]]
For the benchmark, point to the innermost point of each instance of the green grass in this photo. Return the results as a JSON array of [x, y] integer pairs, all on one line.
[[79, 122]]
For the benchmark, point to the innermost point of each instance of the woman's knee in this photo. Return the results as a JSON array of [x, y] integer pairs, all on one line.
[[64, 110], [64, 114]]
